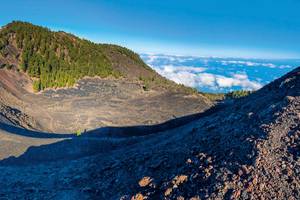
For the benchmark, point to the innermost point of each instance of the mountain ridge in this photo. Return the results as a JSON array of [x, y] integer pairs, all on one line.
[[103, 81], [97, 102], [59, 59]]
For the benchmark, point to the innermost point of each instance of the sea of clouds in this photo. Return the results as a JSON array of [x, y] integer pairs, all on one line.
[[211, 74]]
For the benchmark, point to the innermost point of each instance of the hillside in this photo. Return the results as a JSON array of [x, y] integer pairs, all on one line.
[[59, 59], [248, 149], [91, 103], [81, 85], [106, 126]]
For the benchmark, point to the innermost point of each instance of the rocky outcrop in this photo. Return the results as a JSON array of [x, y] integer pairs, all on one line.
[[15, 117]]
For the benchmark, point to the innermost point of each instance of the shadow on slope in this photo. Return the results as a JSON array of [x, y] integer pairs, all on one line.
[[215, 157], [31, 133], [130, 131], [90, 142], [232, 153]]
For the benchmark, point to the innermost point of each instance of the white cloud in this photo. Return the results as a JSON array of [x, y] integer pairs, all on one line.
[[206, 79], [151, 58], [240, 76], [180, 74], [240, 80], [196, 77], [285, 67], [174, 67], [252, 64]]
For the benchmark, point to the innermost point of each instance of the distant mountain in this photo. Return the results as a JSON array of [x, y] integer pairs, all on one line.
[[59, 59]]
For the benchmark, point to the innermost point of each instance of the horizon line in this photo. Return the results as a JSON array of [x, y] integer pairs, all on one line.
[[211, 56]]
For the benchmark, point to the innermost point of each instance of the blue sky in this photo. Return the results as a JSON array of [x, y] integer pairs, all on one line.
[[231, 28]]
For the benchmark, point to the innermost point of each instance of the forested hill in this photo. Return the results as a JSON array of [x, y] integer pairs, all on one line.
[[59, 59]]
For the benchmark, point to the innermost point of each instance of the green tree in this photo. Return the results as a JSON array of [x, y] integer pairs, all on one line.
[[37, 85]]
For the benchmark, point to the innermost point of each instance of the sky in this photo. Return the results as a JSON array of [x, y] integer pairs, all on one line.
[[220, 28]]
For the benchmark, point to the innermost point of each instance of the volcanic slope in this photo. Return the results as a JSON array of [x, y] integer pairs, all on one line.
[[248, 149], [82, 85]]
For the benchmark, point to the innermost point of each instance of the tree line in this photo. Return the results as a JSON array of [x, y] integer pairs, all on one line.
[[55, 59]]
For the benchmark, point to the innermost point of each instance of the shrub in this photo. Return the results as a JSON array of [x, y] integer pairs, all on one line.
[[37, 85], [78, 133], [237, 94]]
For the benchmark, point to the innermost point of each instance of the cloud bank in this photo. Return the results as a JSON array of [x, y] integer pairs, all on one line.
[[251, 64], [215, 74], [197, 77]]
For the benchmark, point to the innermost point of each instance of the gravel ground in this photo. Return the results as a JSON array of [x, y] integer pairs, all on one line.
[[249, 149], [95, 103]]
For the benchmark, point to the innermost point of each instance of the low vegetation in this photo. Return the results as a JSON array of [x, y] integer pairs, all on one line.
[[78, 132], [214, 96], [230, 95], [237, 94]]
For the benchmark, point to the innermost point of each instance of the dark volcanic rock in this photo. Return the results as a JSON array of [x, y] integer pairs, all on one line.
[[246, 150]]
